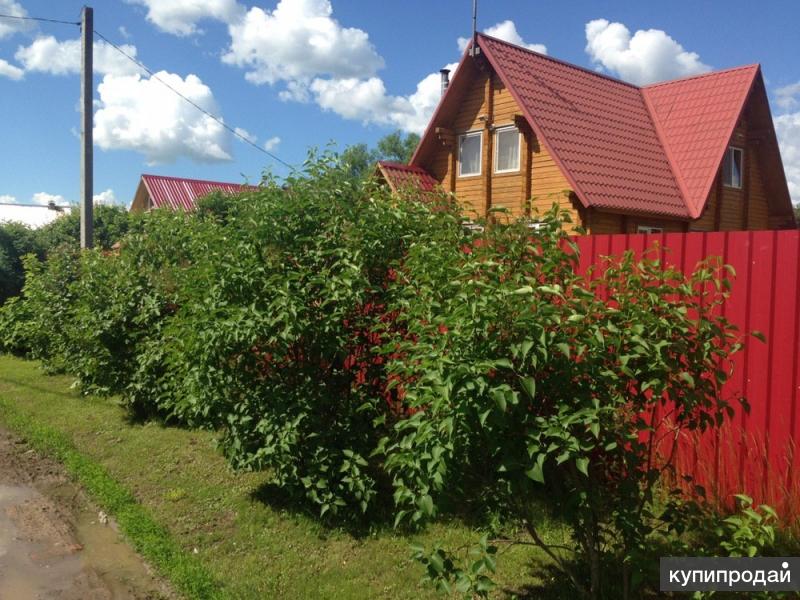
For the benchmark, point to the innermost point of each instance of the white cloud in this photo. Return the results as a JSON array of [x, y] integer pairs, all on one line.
[[787, 127], [43, 199], [788, 96], [180, 17], [48, 55], [10, 71], [141, 114], [10, 26], [299, 41], [506, 31], [272, 143], [6, 199], [649, 56], [106, 197], [246, 134], [367, 101], [123, 31]]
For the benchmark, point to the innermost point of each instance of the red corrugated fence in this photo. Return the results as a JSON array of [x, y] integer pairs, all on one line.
[[755, 453]]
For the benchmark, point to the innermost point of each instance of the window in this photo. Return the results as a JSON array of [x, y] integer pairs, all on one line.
[[649, 229], [506, 156], [470, 153], [732, 167]]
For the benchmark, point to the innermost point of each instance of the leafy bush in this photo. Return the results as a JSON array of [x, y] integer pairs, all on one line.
[[525, 378]]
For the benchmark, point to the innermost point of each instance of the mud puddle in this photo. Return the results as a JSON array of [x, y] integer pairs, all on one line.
[[54, 544]]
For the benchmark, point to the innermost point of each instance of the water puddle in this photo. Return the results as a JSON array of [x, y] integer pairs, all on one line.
[[54, 545]]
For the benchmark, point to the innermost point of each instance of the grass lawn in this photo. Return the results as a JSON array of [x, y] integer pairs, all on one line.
[[247, 544]]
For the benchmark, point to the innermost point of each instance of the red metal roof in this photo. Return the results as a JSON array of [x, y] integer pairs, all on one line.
[[399, 176], [652, 150], [180, 193], [695, 118]]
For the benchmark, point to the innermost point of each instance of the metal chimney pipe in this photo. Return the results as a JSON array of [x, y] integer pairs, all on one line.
[[445, 73]]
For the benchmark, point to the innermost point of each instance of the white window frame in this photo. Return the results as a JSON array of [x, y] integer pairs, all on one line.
[[729, 154], [475, 133], [497, 132], [649, 229]]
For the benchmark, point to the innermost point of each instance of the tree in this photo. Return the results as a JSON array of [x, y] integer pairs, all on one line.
[[16, 240], [797, 214], [395, 147], [360, 159], [110, 224]]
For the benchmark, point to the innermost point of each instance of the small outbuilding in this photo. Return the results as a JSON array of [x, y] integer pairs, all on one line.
[[178, 193]]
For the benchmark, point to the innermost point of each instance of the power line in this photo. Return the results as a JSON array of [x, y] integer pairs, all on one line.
[[42, 19], [142, 66]]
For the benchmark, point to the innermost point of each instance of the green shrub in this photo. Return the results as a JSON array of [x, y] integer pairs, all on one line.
[[526, 379]]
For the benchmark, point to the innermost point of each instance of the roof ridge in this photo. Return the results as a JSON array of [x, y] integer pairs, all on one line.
[[173, 178], [650, 86], [563, 62]]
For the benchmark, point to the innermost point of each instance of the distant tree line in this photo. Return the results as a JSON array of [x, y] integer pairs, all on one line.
[[17, 240], [360, 159]]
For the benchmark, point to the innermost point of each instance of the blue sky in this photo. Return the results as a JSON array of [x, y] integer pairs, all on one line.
[[303, 73]]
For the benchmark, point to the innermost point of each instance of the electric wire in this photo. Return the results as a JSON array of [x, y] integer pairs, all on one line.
[[41, 19], [144, 67]]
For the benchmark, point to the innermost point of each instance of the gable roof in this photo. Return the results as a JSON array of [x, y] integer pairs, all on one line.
[[400, 176], [653, 150], [709, 103], [181, 193]]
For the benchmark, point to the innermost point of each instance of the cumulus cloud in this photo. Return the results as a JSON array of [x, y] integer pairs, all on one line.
[[298, 41], [646, 57], [48, 55], [8, 27], [368, 101], [787, 127], [43, 198], [272, 143], [788, 96], [141, 114], [180, 17], [10, 71], [7, 199], [506, 31], [107, 197]]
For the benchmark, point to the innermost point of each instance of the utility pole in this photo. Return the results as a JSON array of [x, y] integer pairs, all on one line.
[[87, 118]]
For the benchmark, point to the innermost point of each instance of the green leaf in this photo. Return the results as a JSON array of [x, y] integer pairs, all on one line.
[[537, 471], [582, 465], [529, 385]]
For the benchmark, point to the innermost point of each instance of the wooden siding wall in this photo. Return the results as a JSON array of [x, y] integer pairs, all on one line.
[[731, 209], [544, 186]]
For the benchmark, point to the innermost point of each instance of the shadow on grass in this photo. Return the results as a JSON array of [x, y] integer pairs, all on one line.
[[20, 383], [293, 504]]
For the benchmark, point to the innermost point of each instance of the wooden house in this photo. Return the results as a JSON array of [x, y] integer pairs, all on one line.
[[521, 130]]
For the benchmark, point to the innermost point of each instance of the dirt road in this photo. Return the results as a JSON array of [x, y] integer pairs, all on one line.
[[54, 544]]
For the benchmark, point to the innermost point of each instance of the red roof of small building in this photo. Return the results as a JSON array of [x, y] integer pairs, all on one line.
[[400, 176], [653, 150], [180, 193]]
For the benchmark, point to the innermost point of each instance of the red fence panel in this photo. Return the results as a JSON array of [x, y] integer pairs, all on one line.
[[754, 453]]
